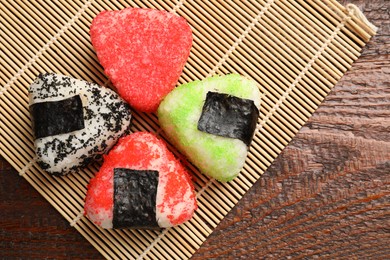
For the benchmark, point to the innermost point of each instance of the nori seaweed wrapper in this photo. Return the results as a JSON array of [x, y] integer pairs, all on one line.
[[57, 117], [135, 193], [229, 116]]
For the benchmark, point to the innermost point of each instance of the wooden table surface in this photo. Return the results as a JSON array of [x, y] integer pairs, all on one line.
[[327, 194]]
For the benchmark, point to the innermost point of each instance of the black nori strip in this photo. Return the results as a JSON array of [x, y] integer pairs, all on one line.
[[57, 117], [229, 116], [135, 193]]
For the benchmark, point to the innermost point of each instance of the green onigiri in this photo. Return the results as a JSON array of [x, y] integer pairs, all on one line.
[[215, 154]]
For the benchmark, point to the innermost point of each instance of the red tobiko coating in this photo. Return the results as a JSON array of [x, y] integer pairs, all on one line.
[[143, 52], [175, 201]]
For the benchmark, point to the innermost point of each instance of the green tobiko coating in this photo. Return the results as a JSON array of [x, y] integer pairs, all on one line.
[[216, 156]]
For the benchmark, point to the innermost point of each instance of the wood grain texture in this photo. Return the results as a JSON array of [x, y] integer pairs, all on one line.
[[31, 228], [326, 195]]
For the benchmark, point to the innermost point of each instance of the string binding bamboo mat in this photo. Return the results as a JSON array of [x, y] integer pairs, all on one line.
[[296, 50]]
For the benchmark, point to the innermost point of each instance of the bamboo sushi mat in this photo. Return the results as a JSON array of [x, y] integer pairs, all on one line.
[[296, 51]]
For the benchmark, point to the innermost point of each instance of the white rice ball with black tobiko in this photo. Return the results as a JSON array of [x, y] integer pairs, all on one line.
[[74, 122]]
